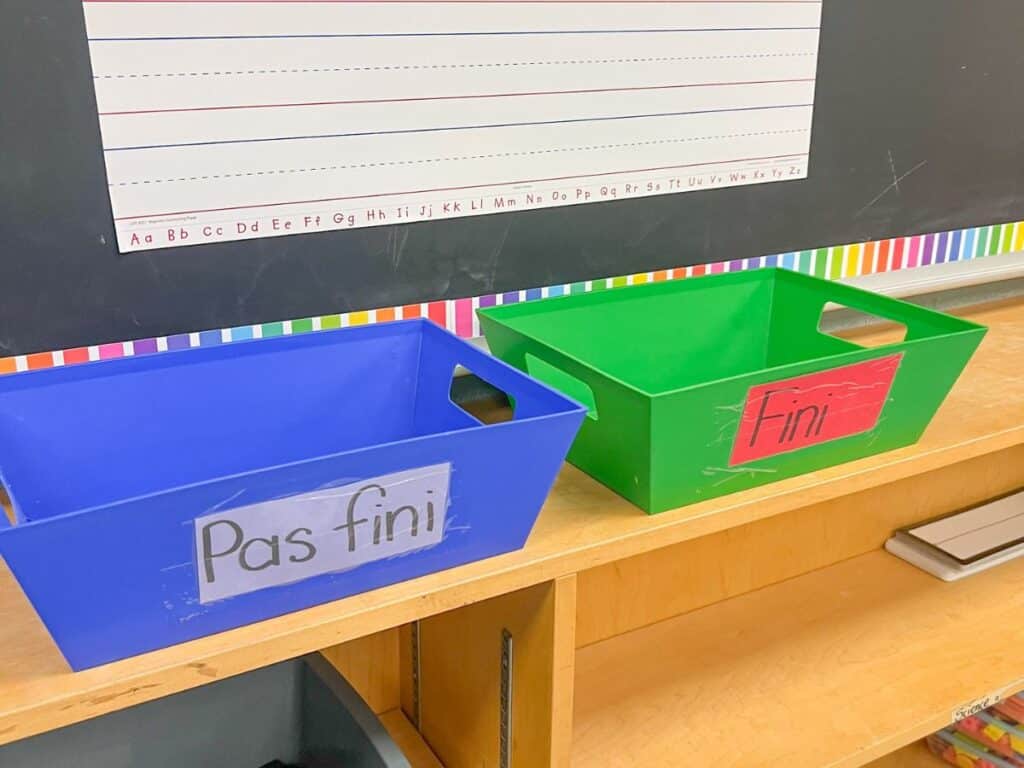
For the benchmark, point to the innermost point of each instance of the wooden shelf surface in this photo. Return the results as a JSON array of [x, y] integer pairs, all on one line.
[[582, 525], [409, 740], [914, 755], [831, 669]]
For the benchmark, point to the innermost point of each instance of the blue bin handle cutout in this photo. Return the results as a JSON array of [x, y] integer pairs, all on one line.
[[528, 400], [5, 522]]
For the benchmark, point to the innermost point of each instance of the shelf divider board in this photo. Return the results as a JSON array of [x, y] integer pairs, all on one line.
[[409, 740], [370, 664], [834, 668], [461, 672]]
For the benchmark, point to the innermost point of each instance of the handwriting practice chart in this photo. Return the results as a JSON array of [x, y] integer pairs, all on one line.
[[255, 118]]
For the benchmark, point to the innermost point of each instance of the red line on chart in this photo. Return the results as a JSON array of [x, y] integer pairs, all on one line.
[[448, 98], [500, 2], [454, 189], [478, 33]]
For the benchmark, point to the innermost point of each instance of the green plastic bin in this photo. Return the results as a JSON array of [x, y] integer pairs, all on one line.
[[702, 387]]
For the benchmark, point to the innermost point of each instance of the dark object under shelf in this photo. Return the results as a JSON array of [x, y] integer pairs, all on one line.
[[296, 714]]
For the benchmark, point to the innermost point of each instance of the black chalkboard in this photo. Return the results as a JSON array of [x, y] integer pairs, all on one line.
[[929, 86]]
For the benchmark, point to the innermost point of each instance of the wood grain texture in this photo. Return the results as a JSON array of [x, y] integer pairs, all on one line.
[[563, 662], [914, 755], [460, 654], [405, 672], [835, 668], [583, 525], [409, 740], [641, 590], [371, 666]]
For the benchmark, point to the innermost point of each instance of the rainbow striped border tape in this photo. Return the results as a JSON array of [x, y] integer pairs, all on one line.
[[459, 315]]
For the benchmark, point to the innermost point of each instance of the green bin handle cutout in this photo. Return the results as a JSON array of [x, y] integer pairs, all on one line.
[[563, 382], [860, 315]]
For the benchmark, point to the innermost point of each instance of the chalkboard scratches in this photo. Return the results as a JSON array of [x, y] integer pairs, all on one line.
[[894, 185], [397, 243], [499, 246], [892, 168]]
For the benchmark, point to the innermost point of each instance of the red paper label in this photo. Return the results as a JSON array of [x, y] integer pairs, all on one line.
[[787, 415]]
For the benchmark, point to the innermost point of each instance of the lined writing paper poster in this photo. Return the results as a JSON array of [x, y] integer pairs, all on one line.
[[236, 119]]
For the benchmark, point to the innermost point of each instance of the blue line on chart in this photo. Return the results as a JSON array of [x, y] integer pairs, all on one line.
[[451, 128], [451, 34]]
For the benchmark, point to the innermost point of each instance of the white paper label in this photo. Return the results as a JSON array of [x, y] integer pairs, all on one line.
[[286, 540], [976, 706]]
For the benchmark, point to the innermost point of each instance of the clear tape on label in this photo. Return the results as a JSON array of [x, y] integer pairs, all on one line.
[[287, 540]]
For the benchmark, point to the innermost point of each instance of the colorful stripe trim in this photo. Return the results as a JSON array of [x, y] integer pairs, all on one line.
[[459, 315]]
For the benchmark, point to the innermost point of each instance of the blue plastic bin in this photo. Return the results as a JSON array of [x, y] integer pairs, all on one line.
[[339, 455]]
